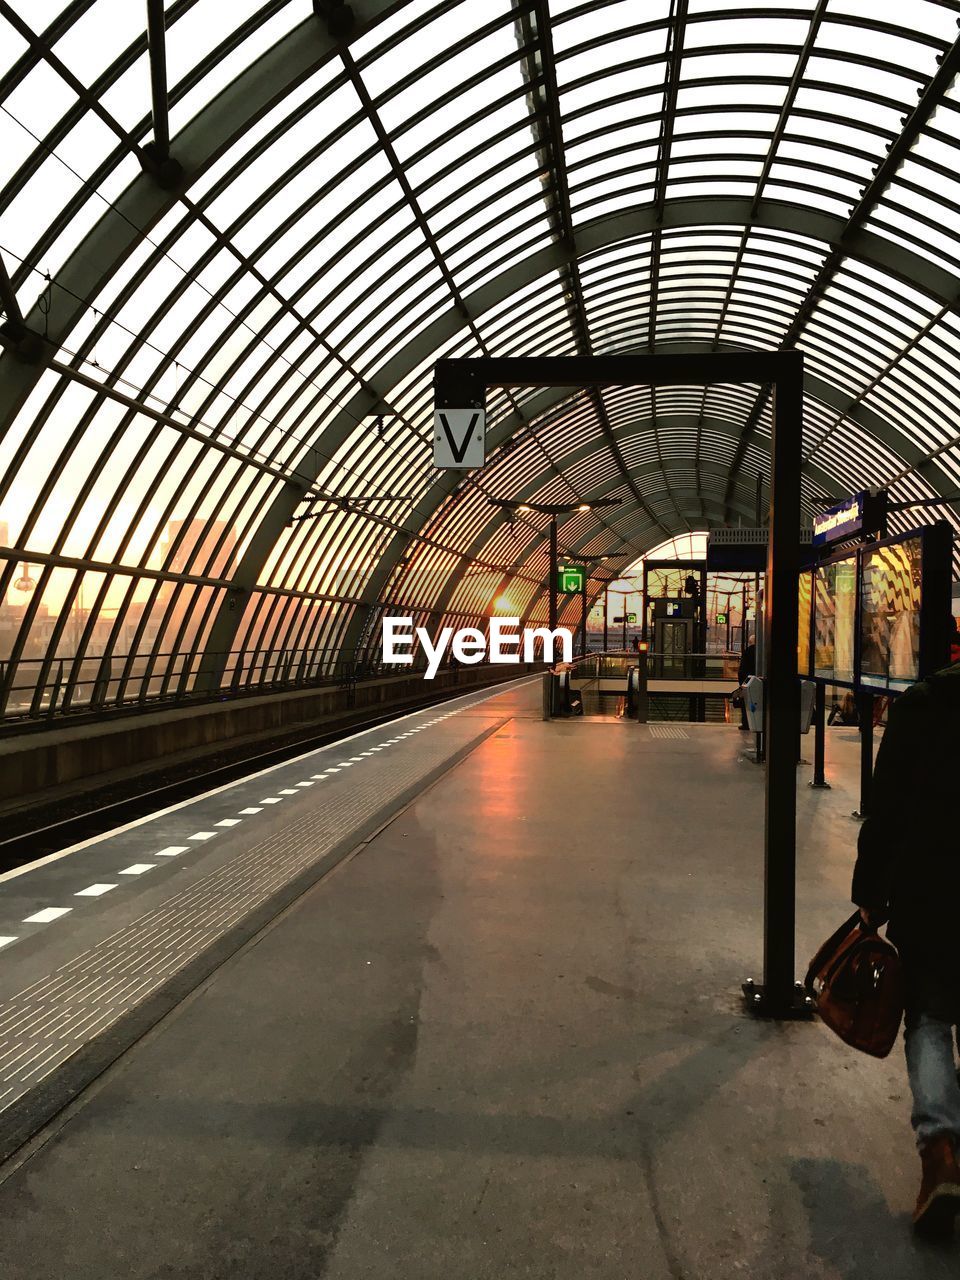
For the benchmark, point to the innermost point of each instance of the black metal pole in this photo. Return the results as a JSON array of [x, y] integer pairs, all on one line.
[[643, 701], [8, 299], [743, 619], [583, 616], [156, 41], [704, 620], [819, 737], [778, 997], [605, 607], [554, 574], [865, 708]]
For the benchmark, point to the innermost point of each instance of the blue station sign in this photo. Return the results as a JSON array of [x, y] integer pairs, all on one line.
[[863, 513]]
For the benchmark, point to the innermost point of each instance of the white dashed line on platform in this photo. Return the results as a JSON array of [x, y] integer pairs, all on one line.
[[288, 791], [5, 942], [202, 835], [317, 777], [304, 784], [227, 822], [171, 850], [138, 869], [271, 800], [95, 891], [251, 810], [47, 914]]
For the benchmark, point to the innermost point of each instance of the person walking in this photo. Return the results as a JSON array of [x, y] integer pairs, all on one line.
[[908, 873]]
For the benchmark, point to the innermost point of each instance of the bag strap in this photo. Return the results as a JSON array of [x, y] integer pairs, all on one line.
[[828, 948]]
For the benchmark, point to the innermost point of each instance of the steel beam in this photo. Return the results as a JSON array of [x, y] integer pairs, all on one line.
[[535, 27], [931, 97], [782, 697], [144, 203], [157, 46], [8, 300], [462, 383]]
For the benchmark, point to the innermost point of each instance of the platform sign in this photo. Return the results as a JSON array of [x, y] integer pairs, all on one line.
[[459, 438], [863, 513], [572, 578], [721, 619], [631, 619]]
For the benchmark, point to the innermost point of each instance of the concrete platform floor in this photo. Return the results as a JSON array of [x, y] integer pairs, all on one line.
[[504, 1041]]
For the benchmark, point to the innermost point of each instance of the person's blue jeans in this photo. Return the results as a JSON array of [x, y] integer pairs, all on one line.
[[933, 1077]]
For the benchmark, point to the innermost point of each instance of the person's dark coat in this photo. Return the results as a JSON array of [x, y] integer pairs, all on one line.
[[908, 858]]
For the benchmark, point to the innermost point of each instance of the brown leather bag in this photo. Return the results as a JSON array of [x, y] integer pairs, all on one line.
[[856, 980]]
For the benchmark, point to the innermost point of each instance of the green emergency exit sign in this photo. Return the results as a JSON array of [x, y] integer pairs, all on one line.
[[572, 578], [721, 619]]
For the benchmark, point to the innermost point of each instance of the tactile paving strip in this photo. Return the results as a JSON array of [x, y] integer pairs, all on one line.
[[667, 731], [42, 1026]]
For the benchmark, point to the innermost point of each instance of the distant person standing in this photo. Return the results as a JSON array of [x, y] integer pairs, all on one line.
[[746, 669], [908, 871], [844, 711]]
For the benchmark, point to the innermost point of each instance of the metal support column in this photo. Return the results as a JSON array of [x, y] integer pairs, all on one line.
[[704, 620], [643, 698], [583, 616], [819, 737], [8, 300], [644, 628], [743, 621], [554, 574], [779, 996], [605, 607], [157, 45], [701, 663]]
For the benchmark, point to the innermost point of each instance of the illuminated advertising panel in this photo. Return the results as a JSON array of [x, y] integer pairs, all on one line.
[[835, 592], [891, 593], [803, 637]]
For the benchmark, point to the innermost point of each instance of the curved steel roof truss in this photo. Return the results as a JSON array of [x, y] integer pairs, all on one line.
[[231, 254]]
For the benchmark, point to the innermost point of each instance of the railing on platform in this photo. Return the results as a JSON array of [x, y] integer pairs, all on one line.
[[691, 687], [38, 690], [615, 664]]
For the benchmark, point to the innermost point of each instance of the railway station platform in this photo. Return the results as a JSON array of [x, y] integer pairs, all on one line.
[[455, 998]]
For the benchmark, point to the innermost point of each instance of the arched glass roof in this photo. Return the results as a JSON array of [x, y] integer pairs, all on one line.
[[232, 253]]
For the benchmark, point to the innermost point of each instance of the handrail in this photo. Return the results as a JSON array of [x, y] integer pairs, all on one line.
[[614, 664], [37, 691]]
